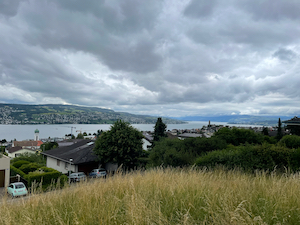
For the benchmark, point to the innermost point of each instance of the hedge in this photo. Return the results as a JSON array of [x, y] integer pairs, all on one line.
[[14, 171], [26, 168], [20, 163], [46, 177]]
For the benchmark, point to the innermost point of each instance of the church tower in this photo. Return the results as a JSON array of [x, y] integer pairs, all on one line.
[[36, 135]]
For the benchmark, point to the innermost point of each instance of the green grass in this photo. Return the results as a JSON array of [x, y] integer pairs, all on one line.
[[169, 196]]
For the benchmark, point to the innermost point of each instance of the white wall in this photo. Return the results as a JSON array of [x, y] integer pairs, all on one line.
[[145, 144], [52, 163], [5, 165], [21, 151]]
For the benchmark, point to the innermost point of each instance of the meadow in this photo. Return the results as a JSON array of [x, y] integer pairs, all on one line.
[[165, 196]]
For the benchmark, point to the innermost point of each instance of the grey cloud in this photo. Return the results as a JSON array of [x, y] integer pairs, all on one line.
[[285, 55], [156, 57], [9, 8], [272, 10], [200, 8], [108, 42]]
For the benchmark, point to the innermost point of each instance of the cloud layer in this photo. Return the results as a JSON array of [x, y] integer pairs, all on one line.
[[167, 58]]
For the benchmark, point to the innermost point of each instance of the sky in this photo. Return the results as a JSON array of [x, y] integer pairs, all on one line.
[[161, 57]]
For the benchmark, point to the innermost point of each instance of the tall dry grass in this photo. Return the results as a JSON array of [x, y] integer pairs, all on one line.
[[165, 196]]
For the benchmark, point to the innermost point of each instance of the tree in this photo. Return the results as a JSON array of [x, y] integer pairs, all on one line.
[[122, 144], [48, 145], [279, 130], [80, 136], [159, 130]]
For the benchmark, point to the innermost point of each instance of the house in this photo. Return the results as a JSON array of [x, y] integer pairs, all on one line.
[[77, 156], [188, 135], [147, 140], [4, 171], [15, 151], [28, 144]]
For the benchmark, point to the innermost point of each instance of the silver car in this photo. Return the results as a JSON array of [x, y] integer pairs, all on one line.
[[98, 173], [76, 177]]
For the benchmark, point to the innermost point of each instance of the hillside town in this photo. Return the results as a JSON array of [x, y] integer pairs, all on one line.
[[63, 114]]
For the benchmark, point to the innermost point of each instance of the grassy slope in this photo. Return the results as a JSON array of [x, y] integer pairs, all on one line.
[[166, 197]]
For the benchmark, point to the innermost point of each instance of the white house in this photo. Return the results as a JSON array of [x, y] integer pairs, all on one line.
[[15, 151], [76, 157], [4, 171]]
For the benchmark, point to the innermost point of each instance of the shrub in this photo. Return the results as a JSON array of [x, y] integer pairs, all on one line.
[[14, 171], [175, 152], [253, 157], [30, 157], [236, 136], [19, 163], [290, 141], [26, 168], [46, 177]]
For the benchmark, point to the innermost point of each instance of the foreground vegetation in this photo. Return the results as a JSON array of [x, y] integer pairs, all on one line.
[[166, 196]]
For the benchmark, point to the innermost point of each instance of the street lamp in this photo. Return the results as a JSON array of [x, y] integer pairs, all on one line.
[[70, 160]]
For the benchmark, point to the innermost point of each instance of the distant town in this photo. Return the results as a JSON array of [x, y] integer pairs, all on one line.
[[69, 114]]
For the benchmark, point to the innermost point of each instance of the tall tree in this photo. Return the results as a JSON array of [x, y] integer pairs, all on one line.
[[159, 129], [122, 144], [279, 130]]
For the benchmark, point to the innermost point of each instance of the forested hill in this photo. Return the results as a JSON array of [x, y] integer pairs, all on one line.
[[69, 114]]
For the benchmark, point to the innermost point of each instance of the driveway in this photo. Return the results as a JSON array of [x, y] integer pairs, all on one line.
[[2, 191]]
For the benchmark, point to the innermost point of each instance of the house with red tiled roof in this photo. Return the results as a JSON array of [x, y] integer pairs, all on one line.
[[28, 144]]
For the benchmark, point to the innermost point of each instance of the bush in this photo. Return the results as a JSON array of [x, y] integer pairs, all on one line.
[[290, 141], [175, 152], [253, 157], [26, 168], [236, 136], [19, 163], [14, 171], [46, 178], [30, 157]]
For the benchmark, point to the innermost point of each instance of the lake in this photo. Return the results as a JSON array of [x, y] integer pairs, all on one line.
[[25, 132]]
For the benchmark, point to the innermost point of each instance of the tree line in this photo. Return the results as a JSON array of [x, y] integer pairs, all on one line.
[[230, 147]]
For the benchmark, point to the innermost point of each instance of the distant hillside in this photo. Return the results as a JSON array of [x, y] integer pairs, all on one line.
[[69, 114], [238, 119]]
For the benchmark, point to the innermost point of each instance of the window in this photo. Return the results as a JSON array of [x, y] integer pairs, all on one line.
[[66, 165], [57, 162]]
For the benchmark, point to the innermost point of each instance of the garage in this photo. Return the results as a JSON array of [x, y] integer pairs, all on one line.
[[2, 178], [4, 170]]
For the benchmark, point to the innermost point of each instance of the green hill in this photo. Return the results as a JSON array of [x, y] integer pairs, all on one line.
[[69, 114]]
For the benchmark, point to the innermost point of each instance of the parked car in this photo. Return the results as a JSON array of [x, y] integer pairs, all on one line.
[[17, 189], [98, 173], [76, 177]]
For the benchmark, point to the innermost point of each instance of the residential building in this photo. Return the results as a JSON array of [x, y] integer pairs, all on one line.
[[28, 144], [75, 157], [4, 171], [15, 151]]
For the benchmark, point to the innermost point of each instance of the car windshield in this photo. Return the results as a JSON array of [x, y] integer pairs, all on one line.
[[102, 170], [18, 186]]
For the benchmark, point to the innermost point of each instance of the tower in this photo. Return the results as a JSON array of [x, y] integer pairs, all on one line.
[[36, 135]]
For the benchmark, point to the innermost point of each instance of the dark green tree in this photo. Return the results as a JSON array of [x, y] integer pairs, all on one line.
[[265, 131], [48, 145], [122, 144], [279, 130], [159, 129], [80, 136]]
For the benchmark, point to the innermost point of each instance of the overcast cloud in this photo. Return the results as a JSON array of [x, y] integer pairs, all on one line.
[[164, 57]]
